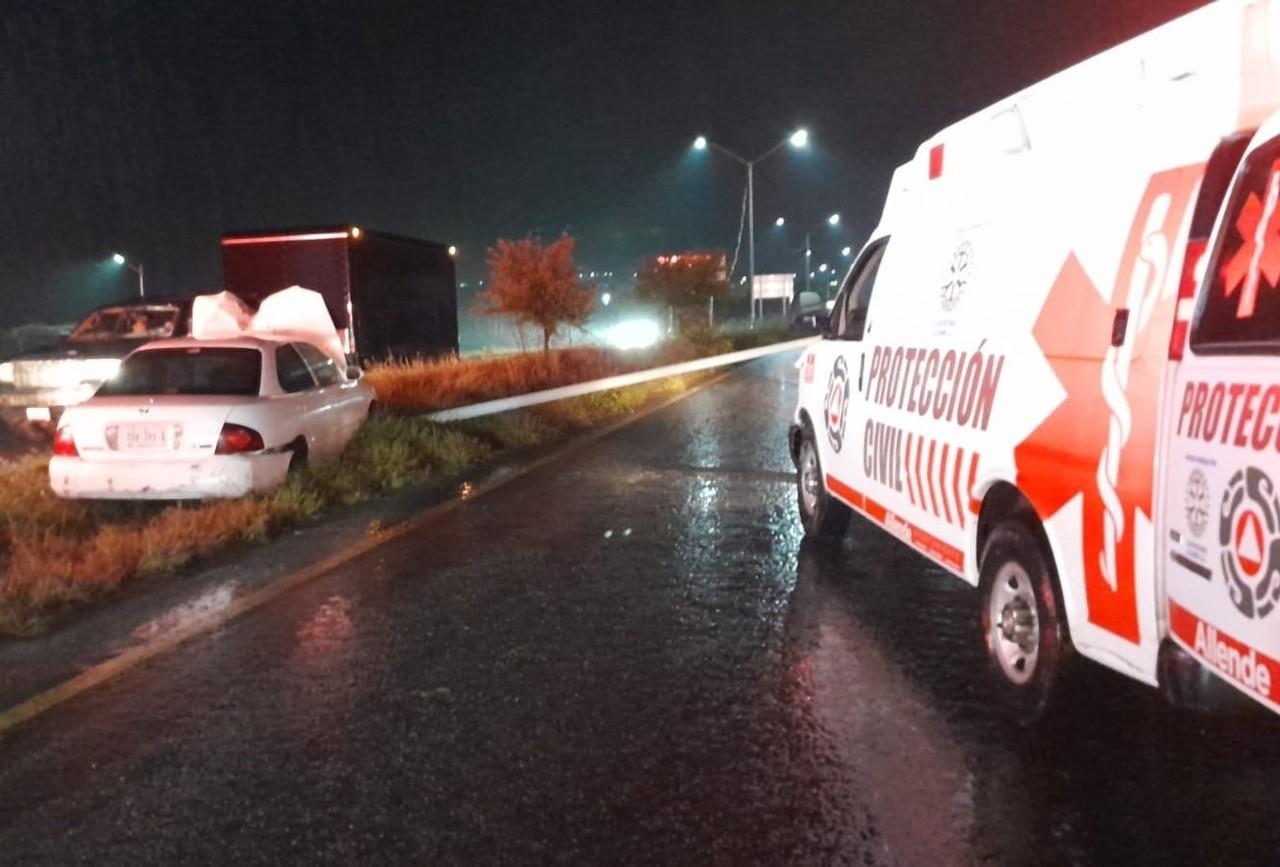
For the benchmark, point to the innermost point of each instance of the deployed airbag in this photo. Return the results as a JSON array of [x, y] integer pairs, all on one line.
[[295, 313]]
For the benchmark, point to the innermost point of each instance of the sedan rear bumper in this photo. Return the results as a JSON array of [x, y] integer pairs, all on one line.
[[217, 476]]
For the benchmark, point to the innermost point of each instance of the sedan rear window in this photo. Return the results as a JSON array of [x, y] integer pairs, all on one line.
[[198, 370]]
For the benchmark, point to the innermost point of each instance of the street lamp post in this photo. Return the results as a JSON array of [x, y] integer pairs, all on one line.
[[119, 259], [798, 139], [808, 260], [833, 220]]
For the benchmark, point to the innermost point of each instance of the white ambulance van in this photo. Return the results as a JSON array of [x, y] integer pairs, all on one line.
[[1055, 367]]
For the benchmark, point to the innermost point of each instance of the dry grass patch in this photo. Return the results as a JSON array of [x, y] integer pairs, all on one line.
[[426, 386]]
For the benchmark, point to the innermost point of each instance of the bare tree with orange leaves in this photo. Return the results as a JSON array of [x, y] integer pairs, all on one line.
[[537, 284]]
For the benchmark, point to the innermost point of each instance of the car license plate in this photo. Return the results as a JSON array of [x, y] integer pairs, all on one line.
[[38, 413], [146, 436]]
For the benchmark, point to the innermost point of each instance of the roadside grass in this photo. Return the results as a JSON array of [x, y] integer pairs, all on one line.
[[424, 386], [427, 386], [56, 555]]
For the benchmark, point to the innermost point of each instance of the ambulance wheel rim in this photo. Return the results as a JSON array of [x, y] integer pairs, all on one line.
[[810, 478], [1015, 625]]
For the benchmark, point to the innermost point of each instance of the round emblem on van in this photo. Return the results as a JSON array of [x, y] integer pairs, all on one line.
[[1196, 503], [958, 277], [836, 407], [1249, 533]]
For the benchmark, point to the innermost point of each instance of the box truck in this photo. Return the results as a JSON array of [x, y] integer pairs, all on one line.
[[1055, 367], [389, 296]]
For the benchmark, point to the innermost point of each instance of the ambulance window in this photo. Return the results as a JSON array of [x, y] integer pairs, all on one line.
[[1240, 311], [851, 312]]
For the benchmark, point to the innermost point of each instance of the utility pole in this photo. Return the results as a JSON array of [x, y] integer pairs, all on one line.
[[751, 239]]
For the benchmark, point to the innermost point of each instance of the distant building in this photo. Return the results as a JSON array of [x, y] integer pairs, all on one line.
[[703, 255]]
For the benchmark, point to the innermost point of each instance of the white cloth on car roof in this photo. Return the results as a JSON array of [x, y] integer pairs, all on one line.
[[295, 313]]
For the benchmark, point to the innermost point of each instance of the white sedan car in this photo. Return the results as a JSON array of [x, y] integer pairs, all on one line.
[[197, 419]]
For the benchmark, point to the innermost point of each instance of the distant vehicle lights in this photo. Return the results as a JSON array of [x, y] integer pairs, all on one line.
[[633, 334]]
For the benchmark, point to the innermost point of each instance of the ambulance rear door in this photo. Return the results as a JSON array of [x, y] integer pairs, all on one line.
[[1222, 533]]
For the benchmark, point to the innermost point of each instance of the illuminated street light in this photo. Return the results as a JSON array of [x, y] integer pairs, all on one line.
[[120, 259], [355, 233], [453, 251], [798, 139], [605, 299], [847, 252], [832, 220], [780, 222], [822, 269]]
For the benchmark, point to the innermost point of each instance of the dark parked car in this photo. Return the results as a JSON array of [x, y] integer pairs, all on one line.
[[35, 386], [811, 314]]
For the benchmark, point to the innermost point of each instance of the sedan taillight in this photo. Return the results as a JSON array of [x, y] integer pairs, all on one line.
[[237, 439], [64, 444]]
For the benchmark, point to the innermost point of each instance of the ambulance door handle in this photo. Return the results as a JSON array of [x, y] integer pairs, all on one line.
[[862, 363], [1120, 327]]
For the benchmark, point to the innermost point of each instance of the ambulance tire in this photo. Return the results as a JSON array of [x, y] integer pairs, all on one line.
[[823, 516], [1023, 625]]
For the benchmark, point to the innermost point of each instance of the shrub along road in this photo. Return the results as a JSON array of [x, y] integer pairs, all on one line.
[[626, 656]]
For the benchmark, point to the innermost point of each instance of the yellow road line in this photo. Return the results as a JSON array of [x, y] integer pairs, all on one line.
[[135, 656]]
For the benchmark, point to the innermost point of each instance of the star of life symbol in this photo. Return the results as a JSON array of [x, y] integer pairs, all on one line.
[[1258, 259], [1249, 533], [958, 278], [836, 406]]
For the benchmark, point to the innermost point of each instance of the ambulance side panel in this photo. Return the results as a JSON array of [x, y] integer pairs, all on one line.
[[1018, 330]]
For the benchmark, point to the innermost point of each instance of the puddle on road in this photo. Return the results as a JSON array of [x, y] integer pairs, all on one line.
[[205, 606], [326, 632]]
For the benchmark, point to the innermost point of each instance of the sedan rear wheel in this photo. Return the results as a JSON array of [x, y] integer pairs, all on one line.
[[297, 458]]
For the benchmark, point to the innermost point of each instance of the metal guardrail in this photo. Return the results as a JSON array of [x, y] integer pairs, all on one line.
[[550, 395]]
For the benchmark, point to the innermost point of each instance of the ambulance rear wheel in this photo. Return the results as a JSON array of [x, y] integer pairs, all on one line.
[[823, 516], [1022, 623]]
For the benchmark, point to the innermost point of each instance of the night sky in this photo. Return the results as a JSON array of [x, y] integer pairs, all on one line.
[[152, 126]]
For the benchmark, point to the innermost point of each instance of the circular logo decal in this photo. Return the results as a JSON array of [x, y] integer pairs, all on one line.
[[1249, 533], [1196, 503], [961, 267], [836, 407]]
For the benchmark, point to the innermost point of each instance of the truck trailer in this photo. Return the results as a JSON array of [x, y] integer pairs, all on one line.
[[389, 296]]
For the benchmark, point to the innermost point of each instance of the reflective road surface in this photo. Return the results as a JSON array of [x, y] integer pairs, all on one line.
[[628, 656]]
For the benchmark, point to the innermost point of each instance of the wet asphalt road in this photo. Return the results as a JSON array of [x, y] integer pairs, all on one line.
[[628, 657]]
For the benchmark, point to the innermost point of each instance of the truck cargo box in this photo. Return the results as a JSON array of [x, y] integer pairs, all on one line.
[[389, 296]]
